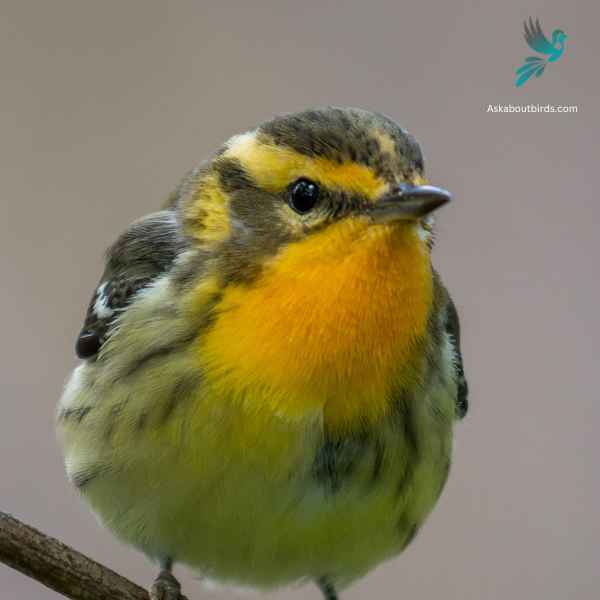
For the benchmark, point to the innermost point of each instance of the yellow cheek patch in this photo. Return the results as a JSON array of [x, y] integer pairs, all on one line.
[[207, 216], [275, 167], [331, 324]]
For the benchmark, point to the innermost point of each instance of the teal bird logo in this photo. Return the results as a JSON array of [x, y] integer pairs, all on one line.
[[537, 41]]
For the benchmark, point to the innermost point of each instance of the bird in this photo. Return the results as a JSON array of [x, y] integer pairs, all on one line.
[[270, 368], [537, 41]]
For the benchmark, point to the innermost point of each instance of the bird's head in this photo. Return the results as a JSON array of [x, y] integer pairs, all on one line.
[[313, 184], [558, 37], [314, 236]]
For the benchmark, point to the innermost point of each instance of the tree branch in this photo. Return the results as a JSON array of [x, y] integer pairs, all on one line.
[[59, 567]]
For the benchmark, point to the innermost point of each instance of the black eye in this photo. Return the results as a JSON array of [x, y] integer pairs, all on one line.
[[303, 195]]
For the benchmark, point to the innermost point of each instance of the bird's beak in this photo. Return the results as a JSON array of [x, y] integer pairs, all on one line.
[[408, 203]]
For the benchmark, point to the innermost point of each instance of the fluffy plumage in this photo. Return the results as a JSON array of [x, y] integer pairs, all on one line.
[[272, 398]]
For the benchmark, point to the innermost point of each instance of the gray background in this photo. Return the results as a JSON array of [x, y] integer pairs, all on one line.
[[104, 105]]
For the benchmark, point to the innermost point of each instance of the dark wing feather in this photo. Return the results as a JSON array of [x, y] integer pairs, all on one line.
[[535, 38], [453, 328], [145, 251]]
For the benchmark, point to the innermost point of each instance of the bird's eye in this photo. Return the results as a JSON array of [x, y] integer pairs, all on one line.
[[303, 195]]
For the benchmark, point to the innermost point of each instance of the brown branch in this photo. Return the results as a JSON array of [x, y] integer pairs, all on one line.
[[59, 567]]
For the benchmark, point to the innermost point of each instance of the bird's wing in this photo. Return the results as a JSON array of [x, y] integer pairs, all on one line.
[[535, 38], [453, 328], [144, 251]]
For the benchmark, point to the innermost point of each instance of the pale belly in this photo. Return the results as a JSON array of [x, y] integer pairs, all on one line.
[[261, 500]]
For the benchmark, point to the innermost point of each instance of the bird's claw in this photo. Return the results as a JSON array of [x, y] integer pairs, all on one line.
[[166, 587]]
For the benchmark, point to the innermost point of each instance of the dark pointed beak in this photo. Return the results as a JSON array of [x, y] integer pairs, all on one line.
[[408, 203]]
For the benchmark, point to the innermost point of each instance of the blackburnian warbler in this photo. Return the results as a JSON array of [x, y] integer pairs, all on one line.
[[271, 366]]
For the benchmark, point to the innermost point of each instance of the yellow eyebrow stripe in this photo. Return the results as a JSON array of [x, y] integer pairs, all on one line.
[[275, 167]]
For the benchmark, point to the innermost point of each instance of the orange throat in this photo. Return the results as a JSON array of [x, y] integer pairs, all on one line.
[[332, 323]]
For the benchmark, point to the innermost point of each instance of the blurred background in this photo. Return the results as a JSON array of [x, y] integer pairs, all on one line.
[[104, 105]]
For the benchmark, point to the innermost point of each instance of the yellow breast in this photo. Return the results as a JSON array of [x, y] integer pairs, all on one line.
[[328, 326]]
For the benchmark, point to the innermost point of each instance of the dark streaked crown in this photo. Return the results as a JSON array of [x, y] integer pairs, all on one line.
[[349, 135]]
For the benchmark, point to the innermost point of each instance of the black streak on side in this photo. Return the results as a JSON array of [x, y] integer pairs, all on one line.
[[404, 422], [407, 428], [113, 419], [453, 328], [158, 353], [178, 344], [404, 419], [78, 414], [83, 478], [379, 451], [140, 422], [337, 459], [334, 461], [183, 391]]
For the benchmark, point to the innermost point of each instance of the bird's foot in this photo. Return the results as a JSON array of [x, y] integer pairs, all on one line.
[[166, 587]]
